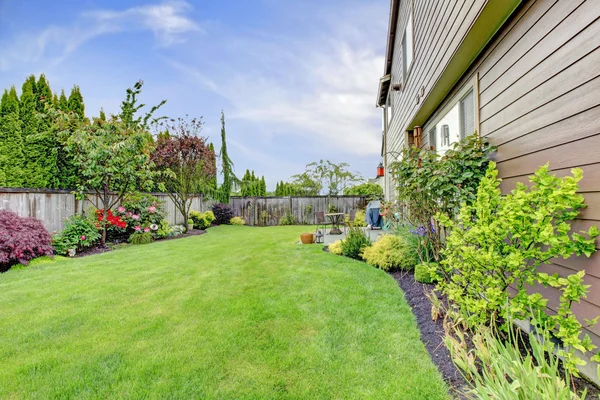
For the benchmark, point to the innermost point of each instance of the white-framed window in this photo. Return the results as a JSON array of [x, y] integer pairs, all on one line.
[[408, 45], [455, 121]]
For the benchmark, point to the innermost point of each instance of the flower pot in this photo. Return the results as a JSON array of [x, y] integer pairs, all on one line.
[[190, 227], [307, 238]]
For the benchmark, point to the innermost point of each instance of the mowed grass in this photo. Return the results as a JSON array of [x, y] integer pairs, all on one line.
[[238, 313]]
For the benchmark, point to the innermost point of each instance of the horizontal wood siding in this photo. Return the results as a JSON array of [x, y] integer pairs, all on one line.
[[539, 102], [539, 87], [439, 28]]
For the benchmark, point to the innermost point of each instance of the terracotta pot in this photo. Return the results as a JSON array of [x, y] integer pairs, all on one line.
[[307, 238]]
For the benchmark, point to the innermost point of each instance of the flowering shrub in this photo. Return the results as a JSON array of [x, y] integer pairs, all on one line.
[[79, 232], [114, 221], [22, 239], [223, 213], [141, 212]]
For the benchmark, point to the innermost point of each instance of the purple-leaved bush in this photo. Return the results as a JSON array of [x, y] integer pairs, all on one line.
[[22, 239], [223, 213]]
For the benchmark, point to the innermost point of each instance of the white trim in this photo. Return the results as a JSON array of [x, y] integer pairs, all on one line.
[[472, 84]]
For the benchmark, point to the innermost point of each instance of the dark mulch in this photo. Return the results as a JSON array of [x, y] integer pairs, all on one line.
[[99, 249], [432, 332]]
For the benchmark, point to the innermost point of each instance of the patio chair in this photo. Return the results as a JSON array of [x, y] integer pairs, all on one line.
[[350, 222], [321, 220]]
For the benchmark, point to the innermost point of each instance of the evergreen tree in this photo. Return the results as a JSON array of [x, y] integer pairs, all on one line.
[[63, 103], [55, 101], [75, 102], [229, 177], [43, 93], [11, 142], [102, 115], [263, 186], [211, 149]]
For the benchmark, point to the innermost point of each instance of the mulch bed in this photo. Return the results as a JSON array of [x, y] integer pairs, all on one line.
[[99, 249], [432, 332]]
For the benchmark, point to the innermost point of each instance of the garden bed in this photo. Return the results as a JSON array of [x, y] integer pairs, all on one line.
[[432, 332]]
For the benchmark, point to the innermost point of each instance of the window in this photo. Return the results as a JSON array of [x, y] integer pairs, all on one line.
[[455, 121], [407, 47]]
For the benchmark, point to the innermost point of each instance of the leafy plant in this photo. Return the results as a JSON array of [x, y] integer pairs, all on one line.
[[202, 220], [427, 273], [79, 232], [355, 243], [141, 238], [164, 229], [336, 248], [360, 219], [428, 185], [499, 242], [288, 219], [185, 162], [390, 252], [372, 190], [140, 209], [331, 208], [223, 213], [238, 221], [498, 369], [22, 239]]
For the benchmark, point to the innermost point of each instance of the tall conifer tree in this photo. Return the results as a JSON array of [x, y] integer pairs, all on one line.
[[75, 102], [11, 141]]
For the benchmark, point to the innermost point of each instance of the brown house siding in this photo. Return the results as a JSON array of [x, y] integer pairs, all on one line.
[[439, 28], [539, 102]]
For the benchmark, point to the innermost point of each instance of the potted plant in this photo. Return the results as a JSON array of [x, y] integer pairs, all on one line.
[[190, 225]]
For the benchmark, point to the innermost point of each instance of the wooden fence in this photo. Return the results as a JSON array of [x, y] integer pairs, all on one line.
[[267, 211], [52, 207]]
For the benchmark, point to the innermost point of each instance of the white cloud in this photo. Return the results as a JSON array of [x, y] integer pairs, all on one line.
[[168, 21], [321, 88]]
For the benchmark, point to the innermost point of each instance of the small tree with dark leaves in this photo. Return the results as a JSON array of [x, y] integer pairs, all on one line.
[[185, 163]]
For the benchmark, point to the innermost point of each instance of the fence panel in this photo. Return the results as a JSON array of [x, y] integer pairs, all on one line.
[[52, 207], [269, 210]]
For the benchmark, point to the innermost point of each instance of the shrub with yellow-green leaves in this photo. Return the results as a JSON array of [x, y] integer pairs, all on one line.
[[237, 221], [336, 248], [391, 252], [499, 242]]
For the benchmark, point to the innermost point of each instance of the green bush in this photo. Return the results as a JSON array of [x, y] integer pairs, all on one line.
[[390, 252], [372, 190], [360, 219], [164, 229], [336, 248], [209, 216], [141, 238], [202, 220], [427, 272], [354, 245], [238, 221], [499, 242], [288, 219], [79, 232]]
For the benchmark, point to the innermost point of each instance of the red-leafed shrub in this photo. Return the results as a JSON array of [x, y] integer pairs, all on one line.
[[223, 213], [22, 239]]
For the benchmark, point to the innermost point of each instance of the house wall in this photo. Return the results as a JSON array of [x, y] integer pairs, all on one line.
[[539, 102], [439, 28]]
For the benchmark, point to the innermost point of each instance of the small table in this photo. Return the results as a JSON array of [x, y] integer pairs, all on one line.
[[335, 222]]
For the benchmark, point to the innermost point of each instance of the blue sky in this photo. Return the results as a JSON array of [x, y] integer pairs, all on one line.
[[297, 79]]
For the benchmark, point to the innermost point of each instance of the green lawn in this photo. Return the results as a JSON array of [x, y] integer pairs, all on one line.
[[238, 313]]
